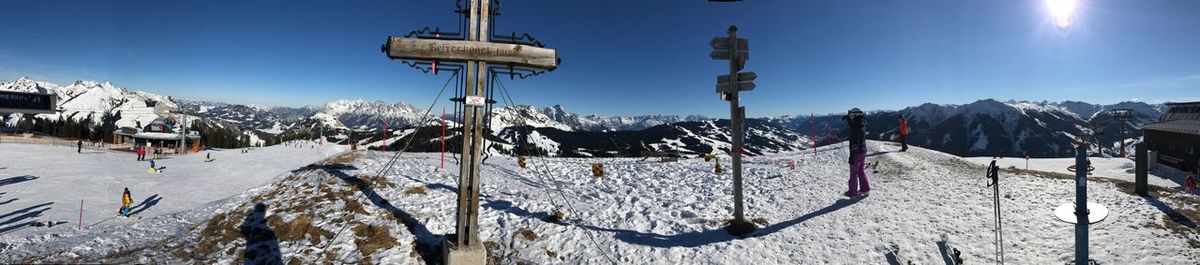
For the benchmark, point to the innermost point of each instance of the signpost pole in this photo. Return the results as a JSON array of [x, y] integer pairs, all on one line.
[[728, 86]]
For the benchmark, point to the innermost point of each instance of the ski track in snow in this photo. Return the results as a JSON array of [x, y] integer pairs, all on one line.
[[672, 213]]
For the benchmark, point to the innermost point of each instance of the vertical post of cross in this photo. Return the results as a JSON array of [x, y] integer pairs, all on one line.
[[468, 184], [737, 52]]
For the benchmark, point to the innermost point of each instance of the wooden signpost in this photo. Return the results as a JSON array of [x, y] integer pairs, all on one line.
[[476, 51], [737, 51]]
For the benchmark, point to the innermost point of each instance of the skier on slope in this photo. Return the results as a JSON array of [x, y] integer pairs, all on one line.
[[80, 147], [126, 201], [903, 133], [858, 153], [141, 153]]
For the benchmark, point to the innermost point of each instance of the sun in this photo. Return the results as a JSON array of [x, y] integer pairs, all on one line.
[[1063, 11]]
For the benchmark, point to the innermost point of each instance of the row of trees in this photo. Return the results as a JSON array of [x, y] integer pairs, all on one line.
[[69, 126], [102, 128], [218, 136]]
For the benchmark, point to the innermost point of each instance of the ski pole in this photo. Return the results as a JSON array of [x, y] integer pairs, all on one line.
[[993, 173]]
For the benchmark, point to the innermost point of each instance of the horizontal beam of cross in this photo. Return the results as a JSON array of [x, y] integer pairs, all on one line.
[[455, 50]]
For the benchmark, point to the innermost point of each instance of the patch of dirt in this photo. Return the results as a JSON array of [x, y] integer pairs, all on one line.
[[556, 217], [219, 230], [759, 221], [299, 228], [370, 238], [415, 190], [527, 234], [347, 158]]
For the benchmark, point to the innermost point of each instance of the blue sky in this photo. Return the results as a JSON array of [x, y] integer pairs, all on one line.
[[625, 57]]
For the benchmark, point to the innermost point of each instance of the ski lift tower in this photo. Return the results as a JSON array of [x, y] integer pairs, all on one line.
[[1124, 116], [474, 49]]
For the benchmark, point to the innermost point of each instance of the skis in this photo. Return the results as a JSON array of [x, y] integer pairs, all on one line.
[[950, 254], [129, 217], [40, 223], [209, 160], [895, 255]]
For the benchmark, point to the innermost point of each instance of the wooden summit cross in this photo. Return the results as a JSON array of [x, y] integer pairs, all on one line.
[[516, 56]]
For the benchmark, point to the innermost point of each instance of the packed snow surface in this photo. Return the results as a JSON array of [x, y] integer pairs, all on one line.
[[642, 211]]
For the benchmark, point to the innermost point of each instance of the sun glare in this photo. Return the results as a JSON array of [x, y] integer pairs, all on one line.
[[1062, 10]]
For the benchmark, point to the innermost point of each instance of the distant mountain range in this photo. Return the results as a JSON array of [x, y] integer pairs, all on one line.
[[982, 128]]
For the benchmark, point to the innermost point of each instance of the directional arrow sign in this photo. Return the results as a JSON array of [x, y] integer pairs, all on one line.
[[724, 55], [742, 86], [742, 77], [722, 43]]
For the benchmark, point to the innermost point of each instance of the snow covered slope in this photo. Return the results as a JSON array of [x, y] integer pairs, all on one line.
[[48, 183], [670, 213], [83, 98]]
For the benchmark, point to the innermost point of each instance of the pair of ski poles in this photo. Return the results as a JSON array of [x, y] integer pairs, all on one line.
[[993, 173]]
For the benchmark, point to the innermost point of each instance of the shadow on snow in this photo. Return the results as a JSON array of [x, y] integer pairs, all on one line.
[[26, 215], [15, 180], [262, 246]]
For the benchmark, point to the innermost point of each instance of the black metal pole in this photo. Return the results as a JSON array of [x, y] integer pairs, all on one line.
[[1081, 211]]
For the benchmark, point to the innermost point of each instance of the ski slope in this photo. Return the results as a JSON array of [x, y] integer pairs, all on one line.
[[47, 183]]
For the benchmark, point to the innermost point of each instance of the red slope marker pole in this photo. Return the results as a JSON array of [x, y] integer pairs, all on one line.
[[385, 135]]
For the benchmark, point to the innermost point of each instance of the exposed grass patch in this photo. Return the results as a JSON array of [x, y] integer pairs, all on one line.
[[527, 234], [299, 228], [347, 158], [355, 207], [415, 190], [218, 230], [370, 238]]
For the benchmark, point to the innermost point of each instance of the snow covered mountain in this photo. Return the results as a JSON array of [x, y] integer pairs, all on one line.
[[684, 138], [271, 120], [557, 117], [83, 99], [982, 128], [993, 128]]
